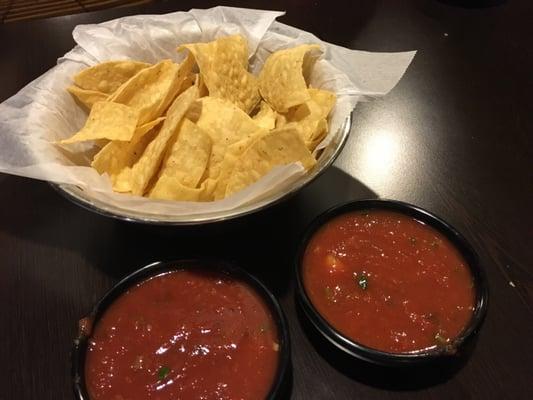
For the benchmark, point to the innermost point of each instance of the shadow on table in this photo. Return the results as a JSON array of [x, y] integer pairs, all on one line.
[[264, 243], [285, 392], [389, 378]]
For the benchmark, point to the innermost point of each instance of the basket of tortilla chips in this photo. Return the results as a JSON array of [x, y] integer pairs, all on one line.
[[193, 117]]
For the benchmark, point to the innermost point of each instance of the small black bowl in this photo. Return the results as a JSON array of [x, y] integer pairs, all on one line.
[[281, 381], [354, 349]]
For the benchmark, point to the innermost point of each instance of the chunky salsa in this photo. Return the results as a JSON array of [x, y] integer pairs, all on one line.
[[388, 281], [184, 335]]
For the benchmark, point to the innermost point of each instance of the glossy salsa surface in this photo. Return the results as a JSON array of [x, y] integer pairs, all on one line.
[[388, 281], [184, 335]]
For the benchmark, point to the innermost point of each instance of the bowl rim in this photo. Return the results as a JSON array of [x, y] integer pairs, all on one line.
[[71, 193], [156, 268], [380, 357]]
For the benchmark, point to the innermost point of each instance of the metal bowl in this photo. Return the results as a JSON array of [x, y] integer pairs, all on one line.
[[79, 196]]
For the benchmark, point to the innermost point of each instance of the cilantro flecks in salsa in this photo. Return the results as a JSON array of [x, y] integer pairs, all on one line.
[[388, 281], [184, 335]]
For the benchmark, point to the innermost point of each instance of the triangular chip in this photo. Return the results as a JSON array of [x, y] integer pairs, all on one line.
[[184, 80], [144, 129], [107, 77], [152, 89], [277, 147], [200, 84], [309, 118], [149, 163], [312, 144], [309, 130], [233, 153], [265, 117], [194, 80], [170, 188], [121, 179], [186, 158], [318, 106], [223, 66], [281, 120], [107, 120], [281, 81], [116, 155], [190, 80], [225, 124], [87, 97], [324, 99]]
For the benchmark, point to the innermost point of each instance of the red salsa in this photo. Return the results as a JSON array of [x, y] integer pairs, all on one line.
[[388, 281], [184, 335]]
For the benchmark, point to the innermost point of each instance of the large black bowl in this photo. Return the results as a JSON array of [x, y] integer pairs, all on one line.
[[357, 350], [281, 380]]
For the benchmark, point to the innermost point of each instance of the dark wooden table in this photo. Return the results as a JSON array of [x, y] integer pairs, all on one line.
[[455, 137]]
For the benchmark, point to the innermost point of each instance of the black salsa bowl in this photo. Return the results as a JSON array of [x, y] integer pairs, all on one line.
[[281, 381], [359, 351]]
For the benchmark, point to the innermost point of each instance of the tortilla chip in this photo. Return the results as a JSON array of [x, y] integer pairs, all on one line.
[[152, 89], [144, 129], [312, 144], [86, 97], [223, 66], [309, 129], [170, 188], [277, 147], [281, 120], [226, 124], [200, 84], [148, 164], [265, 117], [188, 81], [116, 158], [231, 157], [281, 81], [116, 155], [122, 179], [107, 77], [167, 132], [310, 118], [196, 80], [319, 134], [107, 121], [185, 80], [186, 158], [323, 99]]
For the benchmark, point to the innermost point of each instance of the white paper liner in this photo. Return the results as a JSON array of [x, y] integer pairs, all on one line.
[[44, 111]]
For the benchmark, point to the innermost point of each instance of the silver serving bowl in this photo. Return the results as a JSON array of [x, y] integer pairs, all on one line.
[[78, 196]]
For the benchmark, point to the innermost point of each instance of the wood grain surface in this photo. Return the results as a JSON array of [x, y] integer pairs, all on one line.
[[454, 137], [19, 10]]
